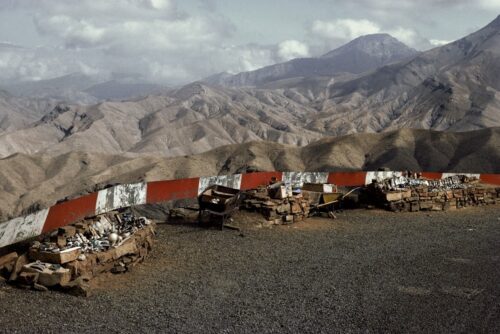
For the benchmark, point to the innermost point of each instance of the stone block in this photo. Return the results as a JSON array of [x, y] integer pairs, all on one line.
[[128, 247], [57, 258], [8, 259], [21, 261]]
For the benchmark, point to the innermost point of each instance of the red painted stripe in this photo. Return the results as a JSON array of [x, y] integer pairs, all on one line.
[[69, 212], [253, 180], [347, 178], [432, 176], [162, 191], [490, 178]]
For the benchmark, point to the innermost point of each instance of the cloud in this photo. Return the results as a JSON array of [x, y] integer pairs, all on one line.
[[407, 36], [331, 34], [26, 64], [439, 42], [150, 36], [171, 42], [292, 49], [346, 29], [490, 4]]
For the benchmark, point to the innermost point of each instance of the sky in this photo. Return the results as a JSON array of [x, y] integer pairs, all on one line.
[[178, 41]]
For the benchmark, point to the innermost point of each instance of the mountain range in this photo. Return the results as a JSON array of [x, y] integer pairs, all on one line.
[[363, 54], [372, 84], [79, 88]]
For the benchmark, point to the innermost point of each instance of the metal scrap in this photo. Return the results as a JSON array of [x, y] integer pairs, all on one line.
[[101, 235], [448, 183]]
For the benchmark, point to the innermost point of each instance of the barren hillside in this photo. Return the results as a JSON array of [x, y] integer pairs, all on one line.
[[453, 87]]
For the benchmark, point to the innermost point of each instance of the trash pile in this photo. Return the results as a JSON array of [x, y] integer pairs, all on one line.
[[71, 257], [418, 194], [451, 182], [281, 204]]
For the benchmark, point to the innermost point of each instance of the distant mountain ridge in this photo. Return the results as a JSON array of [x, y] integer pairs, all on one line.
[[80, 88], [363, 54], [454, 88]]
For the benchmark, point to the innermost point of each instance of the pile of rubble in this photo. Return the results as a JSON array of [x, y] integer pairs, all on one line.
[[282, 204], [418, 194], [72, 256]]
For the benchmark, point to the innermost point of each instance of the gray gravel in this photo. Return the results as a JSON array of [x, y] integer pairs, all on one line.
[[368, 271]]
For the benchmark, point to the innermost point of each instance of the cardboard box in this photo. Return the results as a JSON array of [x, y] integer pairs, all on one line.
[[57, 258]]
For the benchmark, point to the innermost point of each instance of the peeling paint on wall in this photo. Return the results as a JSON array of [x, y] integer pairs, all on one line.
[[299, 178], [231, 181], [380, 176], [22, 228], [445, 175], [121, 196]]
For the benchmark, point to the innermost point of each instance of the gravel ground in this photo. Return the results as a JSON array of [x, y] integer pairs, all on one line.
[[367, 271]]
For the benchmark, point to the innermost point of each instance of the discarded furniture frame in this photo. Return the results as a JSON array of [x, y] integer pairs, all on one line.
[[219, 201]]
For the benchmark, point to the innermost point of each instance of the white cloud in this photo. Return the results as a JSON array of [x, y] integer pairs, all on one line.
[[490, 4], [161, 4], [43, 63], [159, 40], [151, 37], [148, 36], [292, 49], [439, 42], [407, 36], [331, 34], [344, 28]]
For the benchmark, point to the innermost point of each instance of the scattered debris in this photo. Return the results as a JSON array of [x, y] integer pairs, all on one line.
[[283, 204], [417, 194], [415, 180], [219, 201], [72, 256]]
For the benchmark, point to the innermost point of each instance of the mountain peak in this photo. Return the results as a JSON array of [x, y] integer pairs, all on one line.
[[381, 44], [375, 37]]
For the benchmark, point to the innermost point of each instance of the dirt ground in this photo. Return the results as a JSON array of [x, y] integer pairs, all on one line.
[[367, 271]]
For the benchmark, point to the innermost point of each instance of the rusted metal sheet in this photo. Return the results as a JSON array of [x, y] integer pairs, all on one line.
[[22, 228], [121, 196], [230, 181], [299, 178], [380, 176]]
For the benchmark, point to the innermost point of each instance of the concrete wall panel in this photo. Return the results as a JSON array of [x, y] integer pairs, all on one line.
[[121, 196], [231, 181], [299, 178], [380, 176], [172, 190], [22, 228], [70, 211]]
